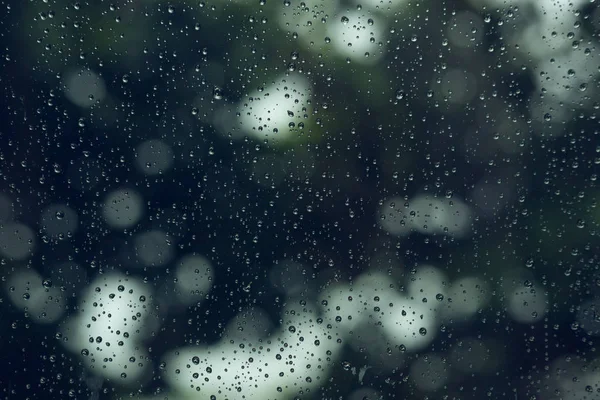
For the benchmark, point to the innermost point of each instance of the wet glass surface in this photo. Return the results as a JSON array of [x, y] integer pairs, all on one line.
[[319, 199]]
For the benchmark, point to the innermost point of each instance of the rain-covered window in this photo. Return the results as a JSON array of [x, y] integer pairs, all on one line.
[[285, 199]]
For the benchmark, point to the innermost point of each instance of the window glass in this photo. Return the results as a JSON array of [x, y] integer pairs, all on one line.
[[285, 199]]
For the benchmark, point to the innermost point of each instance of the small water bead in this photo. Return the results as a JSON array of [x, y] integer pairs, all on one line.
[[217, 93]]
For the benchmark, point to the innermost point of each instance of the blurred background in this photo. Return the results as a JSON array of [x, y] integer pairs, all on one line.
[[283, 199]]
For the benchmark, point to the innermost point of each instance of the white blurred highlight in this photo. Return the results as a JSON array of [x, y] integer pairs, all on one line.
[[43, 302], [122, 208], [270, 112], [153, 248], [527, 304], [289, 361], [426, 215], [84, 88], [305, 19], [466, 296], [59, 221], [404, 321], [113, 317], [154, 157], [465, 29], [357, 35], [384, 5], [588, 317], [17, 241], [428, 283], [194, 275], [252, 363]]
